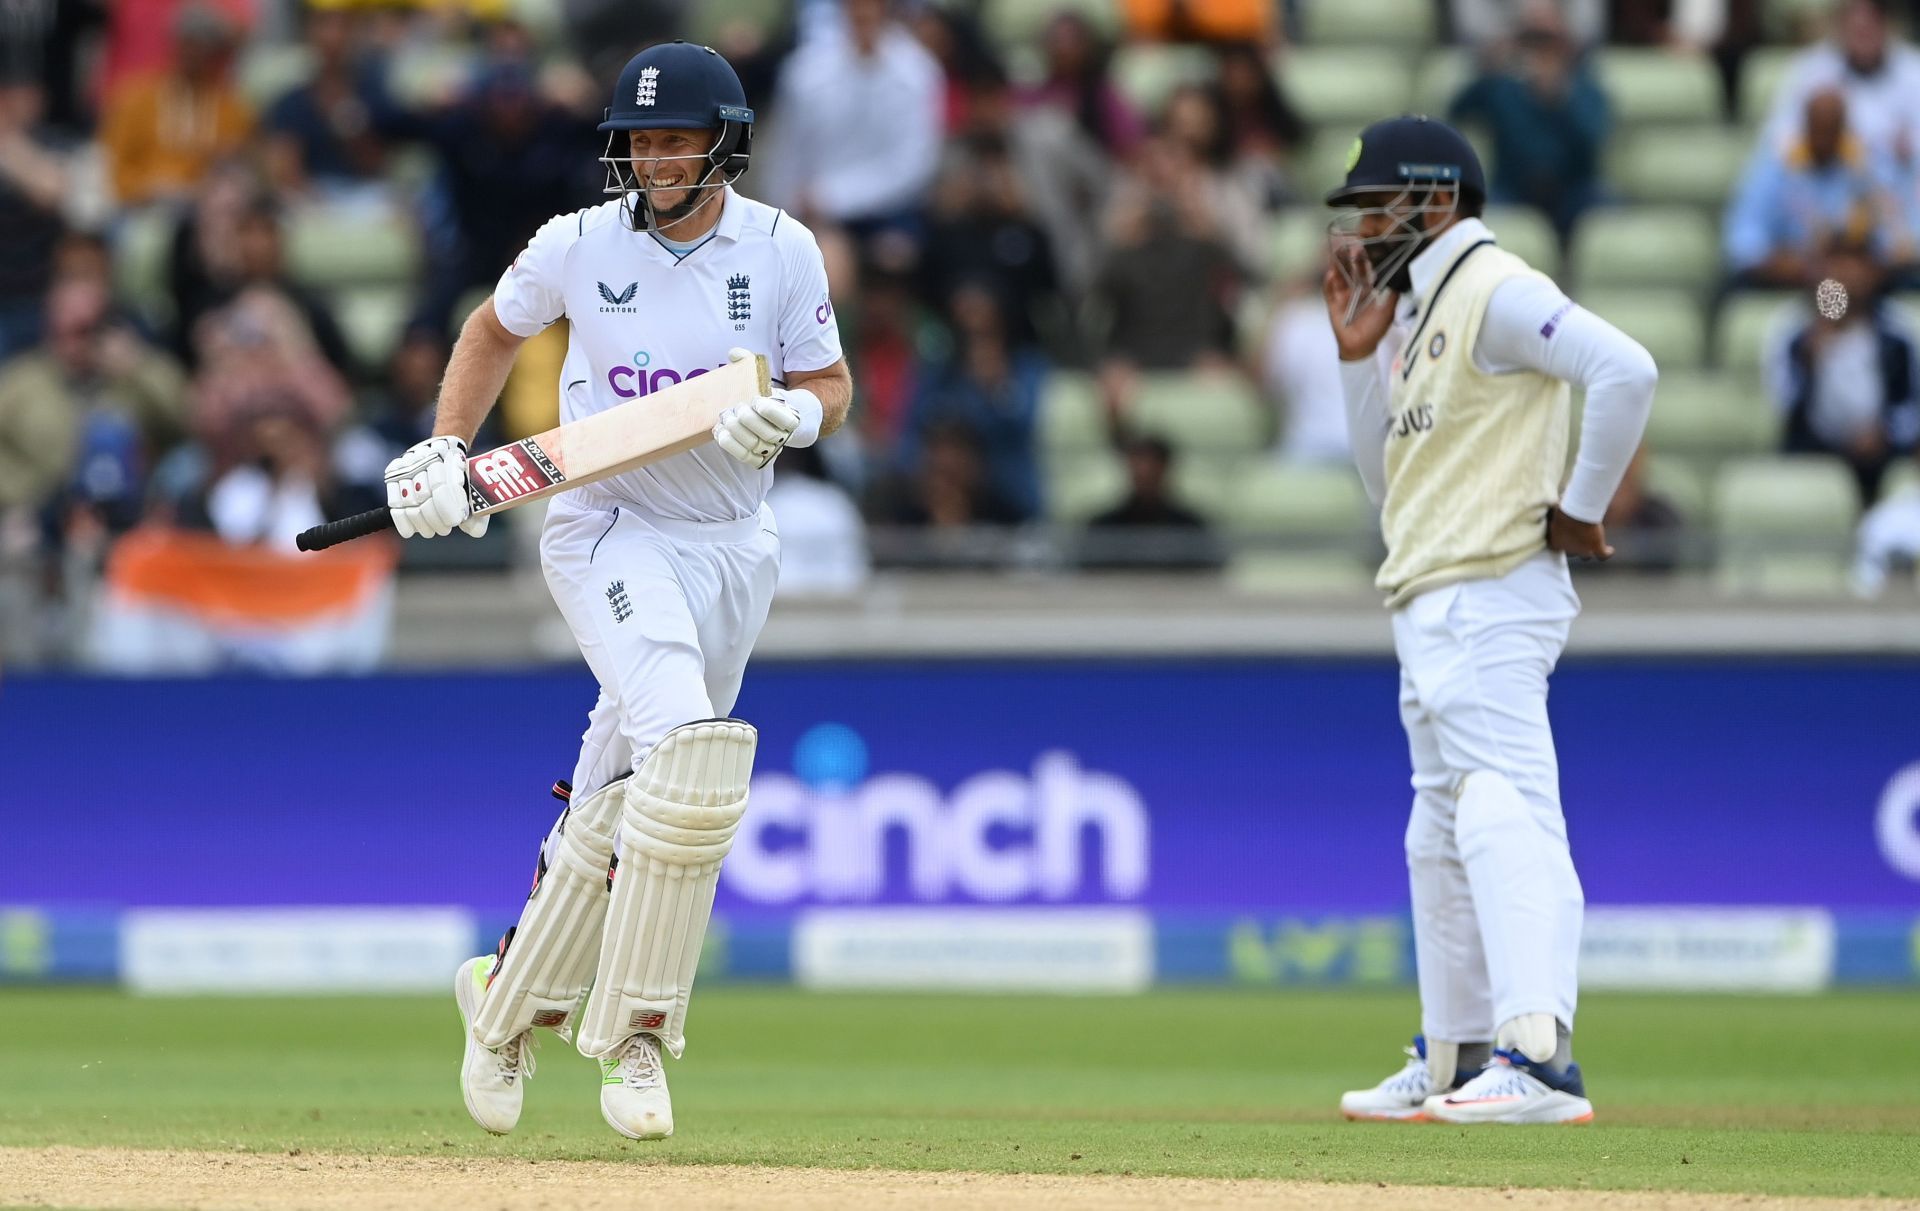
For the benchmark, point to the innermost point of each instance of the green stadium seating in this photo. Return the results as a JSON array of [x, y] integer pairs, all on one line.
[[1301, 501], [1711, 416], [1645, 246], [372, 318], [1071, 417], [1322, 508], [1199, 412], [1785, 526], [1207, 483], [1745, 325], [1367, 22], [1018, 22], [1297, 240], [1761, 74], [1669, 323], [267, 71], [1323, 164], [1342, 89], [1683, 485], [1526, 233], [1694, 165], [1146, 72], [1439, 80], [140, 250], [1083, 485], [707, 20], [1902, 478], [328, 248], [1646, 86]]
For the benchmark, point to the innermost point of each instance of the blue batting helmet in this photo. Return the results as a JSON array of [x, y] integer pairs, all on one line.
[[677, 86]]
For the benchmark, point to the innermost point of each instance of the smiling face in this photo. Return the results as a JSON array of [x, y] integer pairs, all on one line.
[[670, 164]]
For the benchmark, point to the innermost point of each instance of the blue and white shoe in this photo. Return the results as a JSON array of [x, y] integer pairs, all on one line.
[[1398, 1099], [1514, 1089]]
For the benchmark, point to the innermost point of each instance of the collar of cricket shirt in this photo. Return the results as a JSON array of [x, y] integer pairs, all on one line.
[[1430, 265]]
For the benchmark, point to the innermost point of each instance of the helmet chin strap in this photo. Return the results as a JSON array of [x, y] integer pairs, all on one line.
[[652, 219]]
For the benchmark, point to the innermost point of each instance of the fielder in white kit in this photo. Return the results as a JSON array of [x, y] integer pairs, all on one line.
[[1455, 363], [664, 574]]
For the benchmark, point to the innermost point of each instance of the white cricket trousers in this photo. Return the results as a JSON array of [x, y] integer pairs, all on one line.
[[666, 613], [1496, 903]]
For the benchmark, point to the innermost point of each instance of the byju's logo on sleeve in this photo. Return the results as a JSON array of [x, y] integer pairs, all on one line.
[[833, 832]]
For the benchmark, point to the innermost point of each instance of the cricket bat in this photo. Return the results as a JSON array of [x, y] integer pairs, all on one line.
[[657, 425]]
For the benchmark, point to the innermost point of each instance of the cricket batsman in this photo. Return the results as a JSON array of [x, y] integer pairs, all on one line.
[[664, 574], [1456, 362]]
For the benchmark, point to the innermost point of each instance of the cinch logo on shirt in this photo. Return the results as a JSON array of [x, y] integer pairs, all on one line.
[[634, 381]]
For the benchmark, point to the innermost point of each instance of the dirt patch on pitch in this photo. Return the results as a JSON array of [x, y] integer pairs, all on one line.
[[124, 1179]]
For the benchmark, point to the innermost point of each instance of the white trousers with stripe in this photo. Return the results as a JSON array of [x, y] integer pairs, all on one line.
[[1497, 905]]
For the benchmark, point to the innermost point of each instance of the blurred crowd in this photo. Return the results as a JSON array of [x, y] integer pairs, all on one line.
[[992, 217]]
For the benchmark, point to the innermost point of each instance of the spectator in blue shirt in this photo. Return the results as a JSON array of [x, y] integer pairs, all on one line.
[[990, 389], [1548, 119], [330, 134], [1821, 187]]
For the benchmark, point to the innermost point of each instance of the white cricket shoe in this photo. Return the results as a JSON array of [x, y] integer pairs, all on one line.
[[633, 1090], [1399, 1098], [1514, 1089], [493, 1079]]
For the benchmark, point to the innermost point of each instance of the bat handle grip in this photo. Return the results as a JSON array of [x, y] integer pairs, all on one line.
[[333, 533]]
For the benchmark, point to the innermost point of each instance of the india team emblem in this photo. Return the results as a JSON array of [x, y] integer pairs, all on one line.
[[649, 84]]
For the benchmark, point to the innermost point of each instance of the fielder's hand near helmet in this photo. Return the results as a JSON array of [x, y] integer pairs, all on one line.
[[427, 490], [756, 431]]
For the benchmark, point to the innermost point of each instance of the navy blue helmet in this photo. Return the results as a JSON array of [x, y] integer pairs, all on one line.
[[1406, 178], [676, 86]]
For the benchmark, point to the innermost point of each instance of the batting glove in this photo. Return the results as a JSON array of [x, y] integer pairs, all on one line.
[[427, 490], [755, 432]]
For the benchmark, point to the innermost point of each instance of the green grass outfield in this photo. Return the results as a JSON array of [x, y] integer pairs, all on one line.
[[1784, 1096]]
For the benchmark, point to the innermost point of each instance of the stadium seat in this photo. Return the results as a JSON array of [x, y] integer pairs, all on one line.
[[1683, 486], [425, 73], [1301, 501], [372, 318], [1762, 73], [1711, 416], [1341, 89], [140, 250], [1902, 478], [1526, 233], [707, 22], [327, 249], [1785, 526], [1321, 517], [1083, 485], [1669, 323], [1145, 72], [1694, 165], [268, 71], [1367, 22], [1071, 418], [1323, 164], [1206, 483], [1012, 23], [1746, 324], [1645, 246], [1297, 240], [1439, 80], [1201, 412], [1647, 86]]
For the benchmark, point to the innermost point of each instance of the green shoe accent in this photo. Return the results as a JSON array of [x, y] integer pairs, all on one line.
[[482, 971], [609, 1072]]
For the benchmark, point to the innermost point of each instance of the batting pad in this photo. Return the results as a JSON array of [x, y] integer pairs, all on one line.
[[683, 806], [540, 980]]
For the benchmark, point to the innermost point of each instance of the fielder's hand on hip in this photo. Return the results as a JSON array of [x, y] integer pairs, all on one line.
[[1580, 539], [427, 490], [755, 432]]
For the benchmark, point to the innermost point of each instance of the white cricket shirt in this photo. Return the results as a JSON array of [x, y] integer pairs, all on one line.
[[641, 319]]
